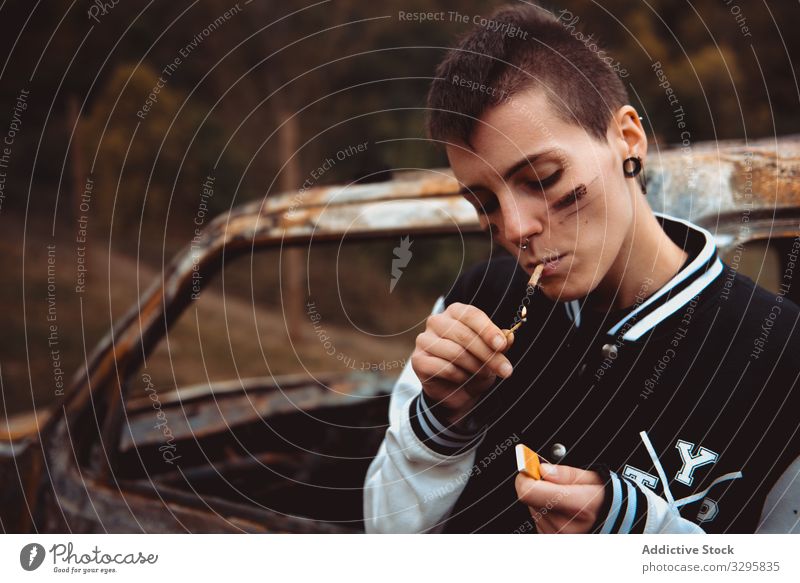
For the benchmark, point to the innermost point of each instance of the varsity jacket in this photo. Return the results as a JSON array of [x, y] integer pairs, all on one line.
[[686, 403]]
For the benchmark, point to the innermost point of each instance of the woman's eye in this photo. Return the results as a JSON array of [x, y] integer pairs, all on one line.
[[546, 182]]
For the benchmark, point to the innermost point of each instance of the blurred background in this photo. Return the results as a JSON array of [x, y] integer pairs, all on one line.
[[146, 118]]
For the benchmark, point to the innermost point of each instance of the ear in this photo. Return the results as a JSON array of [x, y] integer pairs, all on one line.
[[626, 133]]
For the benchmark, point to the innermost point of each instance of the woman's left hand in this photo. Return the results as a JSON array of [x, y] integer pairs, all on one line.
[[566, 500]]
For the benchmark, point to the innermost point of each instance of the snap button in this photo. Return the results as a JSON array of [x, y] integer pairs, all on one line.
[[609, 350], [557, 452]]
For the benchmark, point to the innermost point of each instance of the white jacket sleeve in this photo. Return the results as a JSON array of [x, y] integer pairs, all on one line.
[[421, 467], [779, 514], [629, 501], [664, 518], [630, 504]]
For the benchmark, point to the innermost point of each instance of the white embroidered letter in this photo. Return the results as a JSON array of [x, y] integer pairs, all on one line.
[[640, 476], [692, 462], [708, 510]]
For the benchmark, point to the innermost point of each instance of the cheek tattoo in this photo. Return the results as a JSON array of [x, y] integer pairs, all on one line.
[[574, 197], [577, 194]]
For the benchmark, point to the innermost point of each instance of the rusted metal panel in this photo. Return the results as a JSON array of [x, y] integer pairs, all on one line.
[[237, 403], [16, 427], [20, 480], [86, 504], [737, 191], [346, 384]]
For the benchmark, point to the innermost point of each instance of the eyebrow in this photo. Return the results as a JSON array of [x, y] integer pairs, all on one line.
[[513, 169]]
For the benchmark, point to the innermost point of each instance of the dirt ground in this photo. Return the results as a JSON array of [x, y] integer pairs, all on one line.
[[49, 327]]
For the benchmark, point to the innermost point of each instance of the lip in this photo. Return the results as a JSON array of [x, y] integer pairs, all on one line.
[[550, 267]]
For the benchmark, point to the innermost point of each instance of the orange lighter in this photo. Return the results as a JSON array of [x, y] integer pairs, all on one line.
[[528, 461]]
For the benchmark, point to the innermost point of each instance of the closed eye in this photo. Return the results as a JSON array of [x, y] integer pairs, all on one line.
[[490, 203], [545, 183]]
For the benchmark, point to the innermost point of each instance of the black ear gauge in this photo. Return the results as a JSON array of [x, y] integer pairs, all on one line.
[[632, 167]]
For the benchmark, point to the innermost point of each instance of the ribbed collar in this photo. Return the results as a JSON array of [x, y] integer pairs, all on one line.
[[701, 268]]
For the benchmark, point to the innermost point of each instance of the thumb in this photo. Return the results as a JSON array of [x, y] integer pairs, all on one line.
[[509, 338], [568, 475]]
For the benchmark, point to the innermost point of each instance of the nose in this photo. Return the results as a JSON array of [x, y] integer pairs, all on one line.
[[520, 222]]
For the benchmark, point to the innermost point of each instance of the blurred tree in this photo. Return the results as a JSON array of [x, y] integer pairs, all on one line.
[[134, 174]]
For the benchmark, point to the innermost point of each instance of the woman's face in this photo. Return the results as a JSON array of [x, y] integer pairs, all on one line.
[[532, 175]]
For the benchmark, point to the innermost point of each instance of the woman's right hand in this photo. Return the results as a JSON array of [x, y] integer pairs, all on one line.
[[458, 357]]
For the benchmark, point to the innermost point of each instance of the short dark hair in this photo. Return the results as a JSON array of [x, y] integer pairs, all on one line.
[[524, 46]]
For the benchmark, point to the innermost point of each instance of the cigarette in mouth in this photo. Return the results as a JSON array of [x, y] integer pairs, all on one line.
[[537, 273]]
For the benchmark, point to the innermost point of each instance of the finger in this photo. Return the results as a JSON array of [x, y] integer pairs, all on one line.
[[432, 368], [536, 493], [553, 523], [446, 349], [509, 337], [480, 323], [560, 523], [556, 498], [559, 474], [465, 337], [455, 385]]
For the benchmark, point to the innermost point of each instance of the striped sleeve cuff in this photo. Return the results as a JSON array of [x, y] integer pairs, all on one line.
[[624, 509], [437, 434]]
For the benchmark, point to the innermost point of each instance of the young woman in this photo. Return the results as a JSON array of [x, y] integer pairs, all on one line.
[[636, 372]]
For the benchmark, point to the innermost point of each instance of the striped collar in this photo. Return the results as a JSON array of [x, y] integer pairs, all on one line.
[[702, 267]]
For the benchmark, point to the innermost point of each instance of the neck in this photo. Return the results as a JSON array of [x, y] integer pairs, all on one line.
[[647, 261]]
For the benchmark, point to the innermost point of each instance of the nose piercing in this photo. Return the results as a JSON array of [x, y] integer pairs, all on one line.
[[524, 245]]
